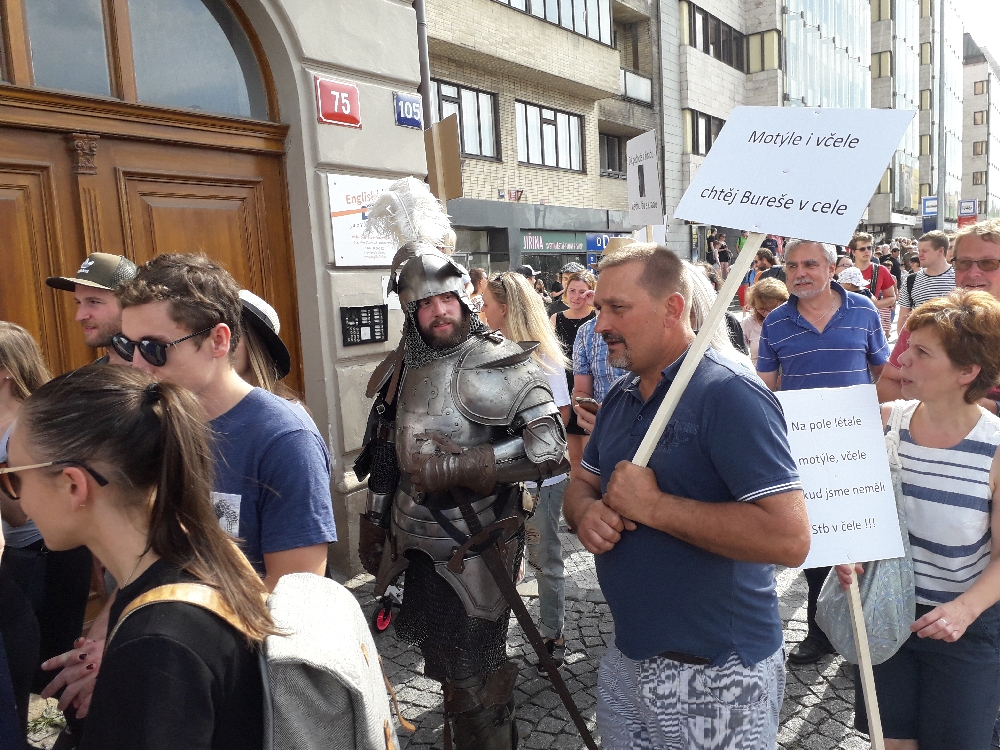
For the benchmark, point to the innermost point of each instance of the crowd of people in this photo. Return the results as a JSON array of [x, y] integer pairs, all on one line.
[[142, 468]]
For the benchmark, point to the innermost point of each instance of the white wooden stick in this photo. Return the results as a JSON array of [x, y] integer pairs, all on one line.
[[865, 663], [698, 349]]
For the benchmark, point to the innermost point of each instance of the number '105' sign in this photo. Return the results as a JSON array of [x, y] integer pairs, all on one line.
[[338, 103]]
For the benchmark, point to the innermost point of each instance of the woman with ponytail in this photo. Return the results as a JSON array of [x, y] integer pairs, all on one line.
[[108, 458]]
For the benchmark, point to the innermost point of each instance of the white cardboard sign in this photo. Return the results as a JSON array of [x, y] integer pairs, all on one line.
[[805, 173], [643, 173], [350, 197], [836, 439]]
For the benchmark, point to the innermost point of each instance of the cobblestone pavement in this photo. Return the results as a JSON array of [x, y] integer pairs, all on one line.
[[817, 713]]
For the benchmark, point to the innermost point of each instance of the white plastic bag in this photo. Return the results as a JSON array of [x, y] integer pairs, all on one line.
[[887, 596]]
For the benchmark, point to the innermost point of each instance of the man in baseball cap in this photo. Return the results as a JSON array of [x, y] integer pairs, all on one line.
[[97, 308]]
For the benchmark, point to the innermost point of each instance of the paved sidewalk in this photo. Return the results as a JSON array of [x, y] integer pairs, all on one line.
[[817, 713]]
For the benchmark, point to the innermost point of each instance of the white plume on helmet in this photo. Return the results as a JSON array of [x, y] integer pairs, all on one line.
[[409, 212]]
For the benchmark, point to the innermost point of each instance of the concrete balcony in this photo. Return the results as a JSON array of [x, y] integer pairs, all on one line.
[[636, 87], [492, 36], [625, 118], [631, 11]]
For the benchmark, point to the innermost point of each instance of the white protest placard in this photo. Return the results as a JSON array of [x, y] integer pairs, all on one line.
[[793, 171], [643, 173], [837, 442], [350, 197]]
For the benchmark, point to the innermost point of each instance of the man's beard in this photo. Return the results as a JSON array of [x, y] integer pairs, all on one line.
[[459, 334], [623, 360], [101, 336]]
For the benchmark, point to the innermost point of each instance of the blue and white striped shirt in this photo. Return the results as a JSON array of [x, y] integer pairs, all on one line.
[[840, 356], [948, 501]]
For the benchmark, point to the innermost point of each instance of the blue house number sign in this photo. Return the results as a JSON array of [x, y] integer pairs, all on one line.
[[409, 110]]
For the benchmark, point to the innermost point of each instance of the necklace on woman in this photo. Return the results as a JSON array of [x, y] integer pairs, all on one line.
[[134, 568]]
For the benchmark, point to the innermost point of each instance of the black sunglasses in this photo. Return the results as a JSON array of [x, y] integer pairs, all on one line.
[[10, 483], [153, 352], [986, 265]]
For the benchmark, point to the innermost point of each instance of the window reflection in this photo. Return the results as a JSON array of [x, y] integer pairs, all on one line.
[[193, 54], [68, 49]]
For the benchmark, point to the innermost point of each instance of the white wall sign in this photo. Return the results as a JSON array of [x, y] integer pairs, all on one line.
[[349, 198], [644, 204], [836, 440], [805, 173]]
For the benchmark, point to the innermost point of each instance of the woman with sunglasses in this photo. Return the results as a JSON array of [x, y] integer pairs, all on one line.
[[107, 457]]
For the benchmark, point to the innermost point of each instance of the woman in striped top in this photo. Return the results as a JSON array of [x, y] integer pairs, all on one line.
[[942, 688]]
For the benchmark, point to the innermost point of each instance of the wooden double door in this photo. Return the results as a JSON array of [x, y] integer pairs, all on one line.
[[77, 179]]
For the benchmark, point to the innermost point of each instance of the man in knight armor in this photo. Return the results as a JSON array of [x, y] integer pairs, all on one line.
[[462, 417]]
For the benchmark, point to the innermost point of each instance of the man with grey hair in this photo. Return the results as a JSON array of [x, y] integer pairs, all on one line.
[[822, 337], [689, 542]]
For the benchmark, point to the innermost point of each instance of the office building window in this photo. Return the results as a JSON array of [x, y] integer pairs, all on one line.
[[979, 118], [590, 18], [925, 53], [981, 207], [881, 10], [885, 184], [764, 51], [548, 137], [925, 145], [979, 178], [708, 34], [700, 131], [925, 99], [612, 156], [925, 189], [978, 148], [979, 87], [882, 65], [476, 112], [925, 8]]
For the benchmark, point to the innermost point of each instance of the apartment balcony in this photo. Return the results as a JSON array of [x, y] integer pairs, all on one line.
[[632, 11], [636, 87], [632, 111]]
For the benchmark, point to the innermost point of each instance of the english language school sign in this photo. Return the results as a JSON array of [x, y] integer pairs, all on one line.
[[836, 439], [805, 173]]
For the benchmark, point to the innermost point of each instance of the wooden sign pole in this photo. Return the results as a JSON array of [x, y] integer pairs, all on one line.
[[698, 349], [865, 663]]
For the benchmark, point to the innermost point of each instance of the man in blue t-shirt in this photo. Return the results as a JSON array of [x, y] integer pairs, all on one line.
[[272, 467], [822, 337], [686, 547]]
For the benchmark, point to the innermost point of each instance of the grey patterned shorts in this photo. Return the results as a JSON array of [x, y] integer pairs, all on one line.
[[660, 704]]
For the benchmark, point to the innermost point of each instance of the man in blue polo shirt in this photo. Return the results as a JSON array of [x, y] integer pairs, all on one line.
[[823, 337], [685, 548]]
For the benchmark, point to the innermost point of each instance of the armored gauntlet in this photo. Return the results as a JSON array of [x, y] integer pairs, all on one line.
[[474, 468]]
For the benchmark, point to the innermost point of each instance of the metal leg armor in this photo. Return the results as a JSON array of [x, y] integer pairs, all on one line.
[[479, 711]]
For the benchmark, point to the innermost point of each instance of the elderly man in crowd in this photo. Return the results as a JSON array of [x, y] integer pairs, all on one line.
[[823, 337], [689, 543]]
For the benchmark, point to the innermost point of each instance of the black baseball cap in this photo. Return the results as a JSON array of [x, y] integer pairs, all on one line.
[[99, 271], [263, 318], [526, 271]]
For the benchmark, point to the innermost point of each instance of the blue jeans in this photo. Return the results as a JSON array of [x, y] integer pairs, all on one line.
[[551, 589]]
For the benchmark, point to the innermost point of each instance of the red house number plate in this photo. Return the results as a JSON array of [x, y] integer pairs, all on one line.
[[338, 103]]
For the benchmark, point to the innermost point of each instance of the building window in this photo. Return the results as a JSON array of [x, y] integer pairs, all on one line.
[[590, 18], [476, 112], [925, 145], [979, 178], [981, 207], [764, 51], [979, 87], [708, 34], [979, 118], [925, 99], [925, 8], [882, 65], [548, 137], [700, 131], [881, 10], [612, 156], [925, 53], [925, 189], [885, 184], [978, 148]]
